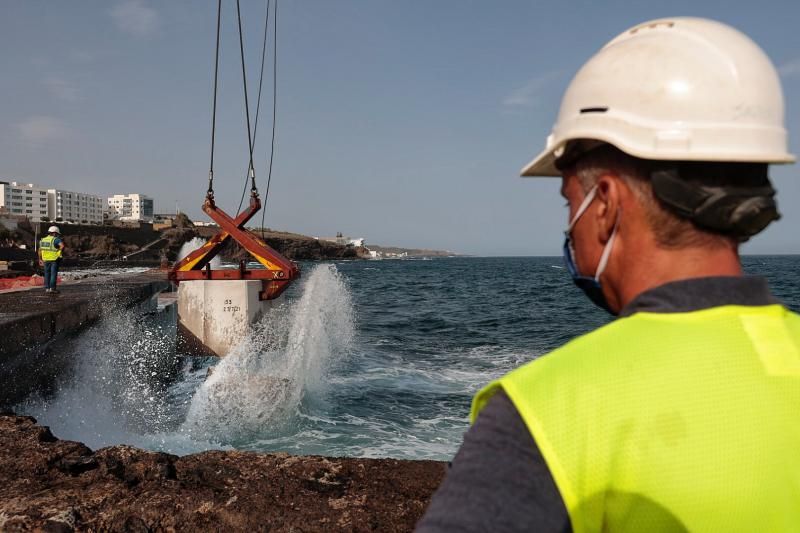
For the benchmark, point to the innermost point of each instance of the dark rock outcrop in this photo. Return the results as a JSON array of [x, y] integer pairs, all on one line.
[[296, 247], [88, 245], [48, 484]]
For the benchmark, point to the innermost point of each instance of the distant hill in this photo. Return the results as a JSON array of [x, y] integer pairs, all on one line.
[[411, 252]]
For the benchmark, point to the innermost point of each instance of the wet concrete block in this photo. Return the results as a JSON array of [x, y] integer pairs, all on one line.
[[214, 315]]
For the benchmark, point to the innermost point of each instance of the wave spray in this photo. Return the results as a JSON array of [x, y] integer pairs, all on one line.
[[193, 244], [260, 385]]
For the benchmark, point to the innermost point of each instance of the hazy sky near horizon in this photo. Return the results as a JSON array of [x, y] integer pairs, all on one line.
[[402, 122]]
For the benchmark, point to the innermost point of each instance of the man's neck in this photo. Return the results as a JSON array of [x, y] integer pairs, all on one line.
[[659, 266]]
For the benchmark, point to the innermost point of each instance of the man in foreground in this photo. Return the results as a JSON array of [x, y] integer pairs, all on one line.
[[683, 414], [51, 248]]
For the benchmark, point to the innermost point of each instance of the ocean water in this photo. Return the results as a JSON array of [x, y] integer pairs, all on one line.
[[363, 359]]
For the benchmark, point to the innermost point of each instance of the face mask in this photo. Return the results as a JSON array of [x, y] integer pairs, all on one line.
[[589, 285]]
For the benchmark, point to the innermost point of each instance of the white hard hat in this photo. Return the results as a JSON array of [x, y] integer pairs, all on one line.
[[680, 89], [53, 229]]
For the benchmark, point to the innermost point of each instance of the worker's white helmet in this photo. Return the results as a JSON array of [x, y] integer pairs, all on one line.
[[680, 89], [53, 229]]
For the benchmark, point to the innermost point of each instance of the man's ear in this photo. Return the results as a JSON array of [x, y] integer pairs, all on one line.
[[609, 196]]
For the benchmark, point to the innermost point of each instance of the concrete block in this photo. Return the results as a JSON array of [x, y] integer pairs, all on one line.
[[214, 315]]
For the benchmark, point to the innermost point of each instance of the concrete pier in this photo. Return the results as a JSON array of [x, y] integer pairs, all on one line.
[[214, 315], [32, 322]]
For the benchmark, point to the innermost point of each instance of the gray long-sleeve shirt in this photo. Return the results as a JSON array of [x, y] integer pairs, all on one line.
[[499, 481]]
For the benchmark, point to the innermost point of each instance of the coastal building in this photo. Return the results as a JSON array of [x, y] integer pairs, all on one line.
[[339, 239], [131, 207], [40, 204], [345, 241], [164, 217], [75, 207], [24, 199], [163, 221]]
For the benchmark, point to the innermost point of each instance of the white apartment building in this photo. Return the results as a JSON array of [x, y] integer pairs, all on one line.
[[75, 207], [131, 207], [24, 199]]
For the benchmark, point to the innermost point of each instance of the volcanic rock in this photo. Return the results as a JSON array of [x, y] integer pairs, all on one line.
[[47, 484]]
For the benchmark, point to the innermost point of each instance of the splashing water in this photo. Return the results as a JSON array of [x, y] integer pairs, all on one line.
[[261, 383], [118, 384], [123, 388], [192, 245]]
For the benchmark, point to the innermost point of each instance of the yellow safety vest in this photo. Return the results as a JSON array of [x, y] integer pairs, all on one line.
[[48, 247], [671, 421]]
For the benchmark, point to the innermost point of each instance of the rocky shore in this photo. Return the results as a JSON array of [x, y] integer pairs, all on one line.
[[90, 245], [47, 484]]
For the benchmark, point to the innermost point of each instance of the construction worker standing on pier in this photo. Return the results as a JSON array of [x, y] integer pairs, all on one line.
[[51, 248], [682, 414]]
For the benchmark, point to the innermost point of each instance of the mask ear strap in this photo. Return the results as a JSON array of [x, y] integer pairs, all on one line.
[[601, 266], [583, 207]]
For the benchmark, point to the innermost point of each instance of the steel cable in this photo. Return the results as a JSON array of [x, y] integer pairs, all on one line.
[[274, 111], [252, 173], [210, 192], [258, 103]]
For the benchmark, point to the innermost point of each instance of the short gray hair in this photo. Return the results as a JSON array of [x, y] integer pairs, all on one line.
[[669, 229]]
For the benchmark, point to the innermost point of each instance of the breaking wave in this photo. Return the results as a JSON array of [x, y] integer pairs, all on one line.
[[128, 386], [190, 246], [117, 388], [262, 381]]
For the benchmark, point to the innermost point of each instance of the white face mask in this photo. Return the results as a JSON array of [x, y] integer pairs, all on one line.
[[589, 285]]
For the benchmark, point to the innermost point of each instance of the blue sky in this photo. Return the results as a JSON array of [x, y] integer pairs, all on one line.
[[402, 122]]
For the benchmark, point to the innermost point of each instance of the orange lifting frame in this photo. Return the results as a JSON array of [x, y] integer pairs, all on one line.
[[279, 273]]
